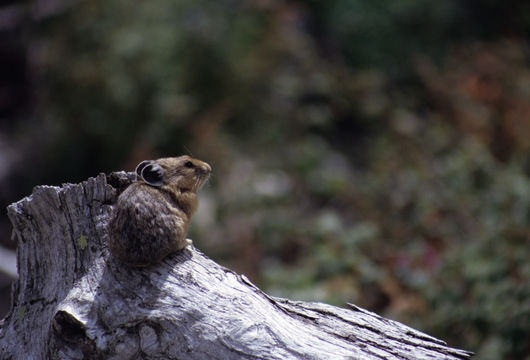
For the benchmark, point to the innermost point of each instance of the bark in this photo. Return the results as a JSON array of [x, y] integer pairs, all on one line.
[[73, 300]]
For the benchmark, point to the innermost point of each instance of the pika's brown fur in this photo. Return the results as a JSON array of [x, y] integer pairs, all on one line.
[[151, 217]]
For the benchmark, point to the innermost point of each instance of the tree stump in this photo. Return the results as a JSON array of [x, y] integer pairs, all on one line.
[[73, 300]]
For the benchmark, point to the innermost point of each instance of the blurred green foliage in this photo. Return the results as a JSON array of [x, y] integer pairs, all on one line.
[[374, 152]]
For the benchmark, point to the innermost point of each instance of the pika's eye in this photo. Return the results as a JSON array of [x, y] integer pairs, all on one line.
[[188, 164]]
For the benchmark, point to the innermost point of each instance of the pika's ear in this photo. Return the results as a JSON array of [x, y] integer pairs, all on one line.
[[140, 167], [153, 174]]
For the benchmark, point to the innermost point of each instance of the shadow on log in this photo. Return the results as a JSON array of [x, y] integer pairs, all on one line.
[[73, 300]]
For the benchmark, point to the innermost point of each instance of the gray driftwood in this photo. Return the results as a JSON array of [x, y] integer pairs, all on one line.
[[72, 300]]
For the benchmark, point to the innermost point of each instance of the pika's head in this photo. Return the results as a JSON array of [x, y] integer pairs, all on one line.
[[183, 173]]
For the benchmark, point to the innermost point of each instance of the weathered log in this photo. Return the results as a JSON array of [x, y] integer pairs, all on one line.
[[73, 300]]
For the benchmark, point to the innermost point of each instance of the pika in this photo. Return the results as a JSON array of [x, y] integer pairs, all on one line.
[[152, 215]]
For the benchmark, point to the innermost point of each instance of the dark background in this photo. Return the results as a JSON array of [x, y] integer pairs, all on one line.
[[374, 152]]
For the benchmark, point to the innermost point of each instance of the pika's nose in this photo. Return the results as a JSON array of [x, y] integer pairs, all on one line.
[[206, 168]]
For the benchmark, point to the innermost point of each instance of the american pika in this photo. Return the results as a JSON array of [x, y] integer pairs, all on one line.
[[151, 217]]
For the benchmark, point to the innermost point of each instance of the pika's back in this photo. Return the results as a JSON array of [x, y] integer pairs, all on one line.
[[151, 217]]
